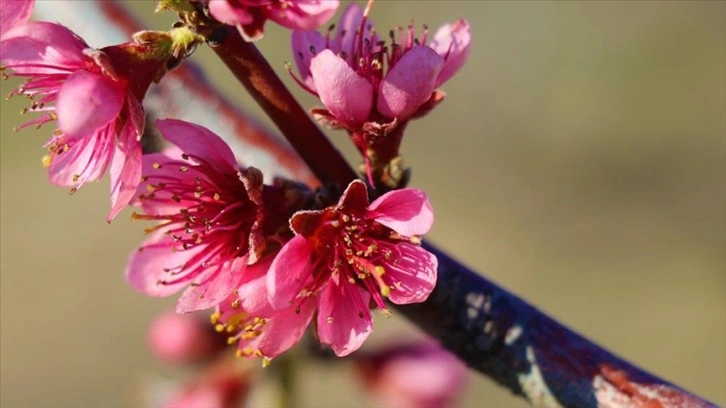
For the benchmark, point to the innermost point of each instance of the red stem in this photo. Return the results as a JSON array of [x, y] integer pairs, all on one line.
[[257, 76]]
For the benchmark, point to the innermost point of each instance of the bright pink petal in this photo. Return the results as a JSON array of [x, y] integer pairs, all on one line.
[[153, 262], [198, 142], [42, 47], [410, 83], [304, 14], [86, 102], [347, 95], [406, 211], [86, 159], [13, 13], [305, 46], [125, 172], [212, 287], [226, 12], [286, 328], [290, 270], [252, 290], [452, 42], [343, 323], [414, 273]]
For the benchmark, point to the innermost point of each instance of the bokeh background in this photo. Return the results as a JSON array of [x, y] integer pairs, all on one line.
[[578, 160]]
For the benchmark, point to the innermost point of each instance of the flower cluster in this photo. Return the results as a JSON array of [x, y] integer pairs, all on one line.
[[372, 89], [223, 236], [268, 258]]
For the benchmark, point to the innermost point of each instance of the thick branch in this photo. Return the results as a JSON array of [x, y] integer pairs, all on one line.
[[255, 74]]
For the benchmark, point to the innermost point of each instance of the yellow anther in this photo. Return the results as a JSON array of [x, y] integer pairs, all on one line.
[[219, 327], [47, 160], [156, 166]]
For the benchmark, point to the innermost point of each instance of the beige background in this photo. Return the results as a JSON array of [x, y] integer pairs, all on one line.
[[578, 160]]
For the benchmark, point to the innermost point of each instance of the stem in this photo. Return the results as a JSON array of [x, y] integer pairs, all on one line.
[[533, 355], [257, 76]]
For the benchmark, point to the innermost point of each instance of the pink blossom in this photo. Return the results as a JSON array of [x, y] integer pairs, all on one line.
[[344, 256], [179, 339], [359, 79], [413, 376], [250, 15], [215, 219], [14, 13], [96, 96], [211, 219]]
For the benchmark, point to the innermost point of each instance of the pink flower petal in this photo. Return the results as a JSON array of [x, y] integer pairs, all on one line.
[[212, 287], [290, 270], [13, 13], [87, 102], [286, 328], [149, 265], [349, 24], [303, 14], [252, 290], [415, 274], [125, 171], [225, 11], [342, 323], [86, 159], [410, 83], [406, 211], [347, 95], [452, 43], [198, 141], [305, 46], [38, 45]]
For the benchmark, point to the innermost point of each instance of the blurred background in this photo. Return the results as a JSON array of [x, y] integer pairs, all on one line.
[[579, 160]]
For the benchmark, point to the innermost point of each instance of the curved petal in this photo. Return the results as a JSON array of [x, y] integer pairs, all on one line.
[[125, 171], [406, 211], [42, 47], [227, 13], [289, 272], [286, 328], [303, 14], [305, 46], [252, 290], [198, 141], [86, 102], [342, 322], [86, 159], [452, 43], [348, 26], [410, 83], [149, 265], [216, 284], [347, 95], [13, 13], [413, 276]]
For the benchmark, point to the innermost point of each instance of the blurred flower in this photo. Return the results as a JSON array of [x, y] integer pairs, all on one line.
[[215, 218], [250, 15], [343, 256], [221, 386], [97, 96], [180, 339], [413, 376], [13, 13]]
